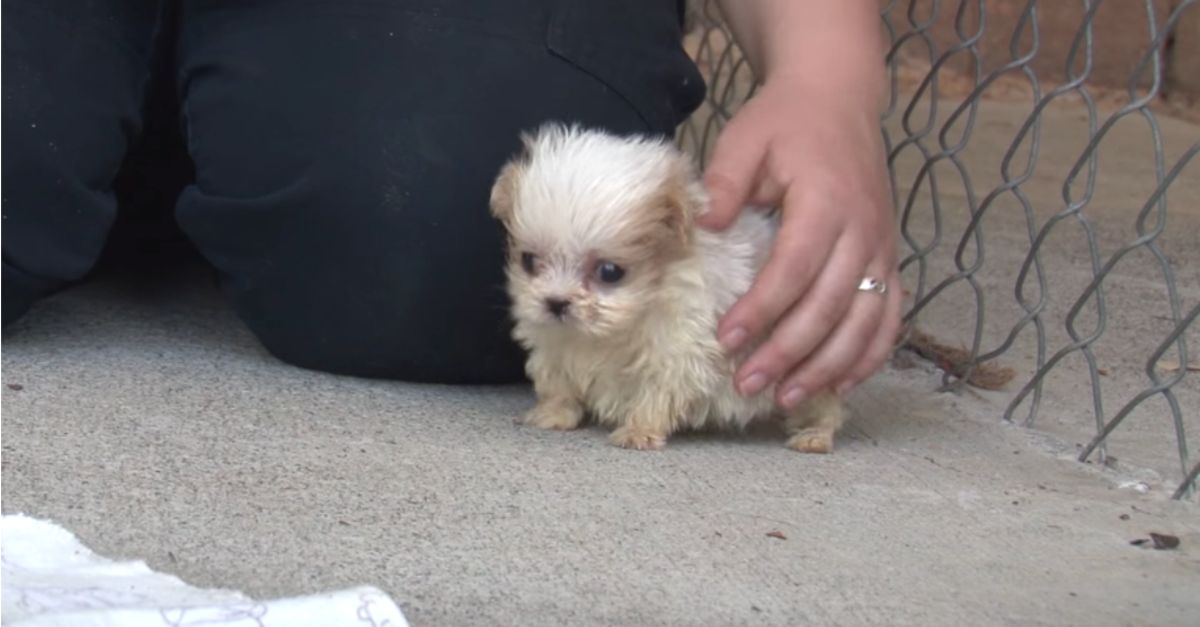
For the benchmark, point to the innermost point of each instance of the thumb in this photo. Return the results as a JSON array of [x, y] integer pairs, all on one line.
[[730, 176]]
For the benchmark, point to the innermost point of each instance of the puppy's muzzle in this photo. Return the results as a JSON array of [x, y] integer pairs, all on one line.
[[557, 307]]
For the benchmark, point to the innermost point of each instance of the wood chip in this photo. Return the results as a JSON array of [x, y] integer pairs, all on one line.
[[954, 360], [1164, 541], [776, 534], [1172, 365]]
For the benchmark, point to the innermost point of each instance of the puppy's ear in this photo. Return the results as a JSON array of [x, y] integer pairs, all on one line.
[[504, 190], [681, 201]]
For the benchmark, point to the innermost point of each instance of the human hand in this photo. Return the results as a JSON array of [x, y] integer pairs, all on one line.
[[819, 157]]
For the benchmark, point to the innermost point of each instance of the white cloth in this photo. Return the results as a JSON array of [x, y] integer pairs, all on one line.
[[50, 578]]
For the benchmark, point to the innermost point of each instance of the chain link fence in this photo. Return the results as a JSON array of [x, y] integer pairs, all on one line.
[[1033, 148]]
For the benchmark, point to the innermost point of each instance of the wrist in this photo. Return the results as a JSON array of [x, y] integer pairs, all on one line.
[[841, 97]]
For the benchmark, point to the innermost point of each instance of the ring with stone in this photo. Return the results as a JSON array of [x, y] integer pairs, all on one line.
[[871, 284]]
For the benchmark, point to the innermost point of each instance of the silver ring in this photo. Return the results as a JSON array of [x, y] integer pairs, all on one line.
[[870, 284]]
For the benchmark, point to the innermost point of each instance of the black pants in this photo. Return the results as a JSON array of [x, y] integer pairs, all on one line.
[[339, 152]]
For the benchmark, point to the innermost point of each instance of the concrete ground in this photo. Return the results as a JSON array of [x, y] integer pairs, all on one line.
[[149, 422]]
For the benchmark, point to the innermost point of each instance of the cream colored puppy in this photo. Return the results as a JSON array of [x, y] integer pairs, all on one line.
[[617, 296]]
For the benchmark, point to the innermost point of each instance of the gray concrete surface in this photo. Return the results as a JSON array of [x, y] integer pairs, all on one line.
[[150, 423]]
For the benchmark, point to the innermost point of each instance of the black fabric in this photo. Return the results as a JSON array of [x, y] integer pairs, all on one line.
[[75, 76], [340, 155]]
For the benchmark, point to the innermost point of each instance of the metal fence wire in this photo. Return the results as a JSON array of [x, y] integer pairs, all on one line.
[[1031, 168]]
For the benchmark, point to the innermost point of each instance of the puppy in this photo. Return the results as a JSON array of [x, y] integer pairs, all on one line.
[[616, 295]]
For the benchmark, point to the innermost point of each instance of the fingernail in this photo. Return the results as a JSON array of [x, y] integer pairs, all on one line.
[[792, 397], [732, 339], [753, 384]]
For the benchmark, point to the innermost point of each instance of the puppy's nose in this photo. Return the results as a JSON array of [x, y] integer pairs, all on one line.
[[557, 306]]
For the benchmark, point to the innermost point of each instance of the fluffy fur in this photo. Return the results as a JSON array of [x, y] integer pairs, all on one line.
[[638, 354]]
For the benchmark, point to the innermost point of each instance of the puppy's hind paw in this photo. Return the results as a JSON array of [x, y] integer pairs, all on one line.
[[812, 440], [554, 416], [639, 439]]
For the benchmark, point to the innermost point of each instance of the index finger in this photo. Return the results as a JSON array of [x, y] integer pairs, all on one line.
[[731, 175]]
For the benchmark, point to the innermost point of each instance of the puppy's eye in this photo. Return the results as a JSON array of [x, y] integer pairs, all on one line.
[[609, 272], [529, 262]]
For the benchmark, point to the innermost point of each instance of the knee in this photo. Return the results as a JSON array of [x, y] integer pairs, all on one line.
[[366, 272], [71, 109], [389, 338], [384, 318]]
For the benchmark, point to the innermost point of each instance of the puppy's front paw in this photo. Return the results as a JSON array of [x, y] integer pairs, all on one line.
[[557, 415], [812, 440], [638, 438]]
